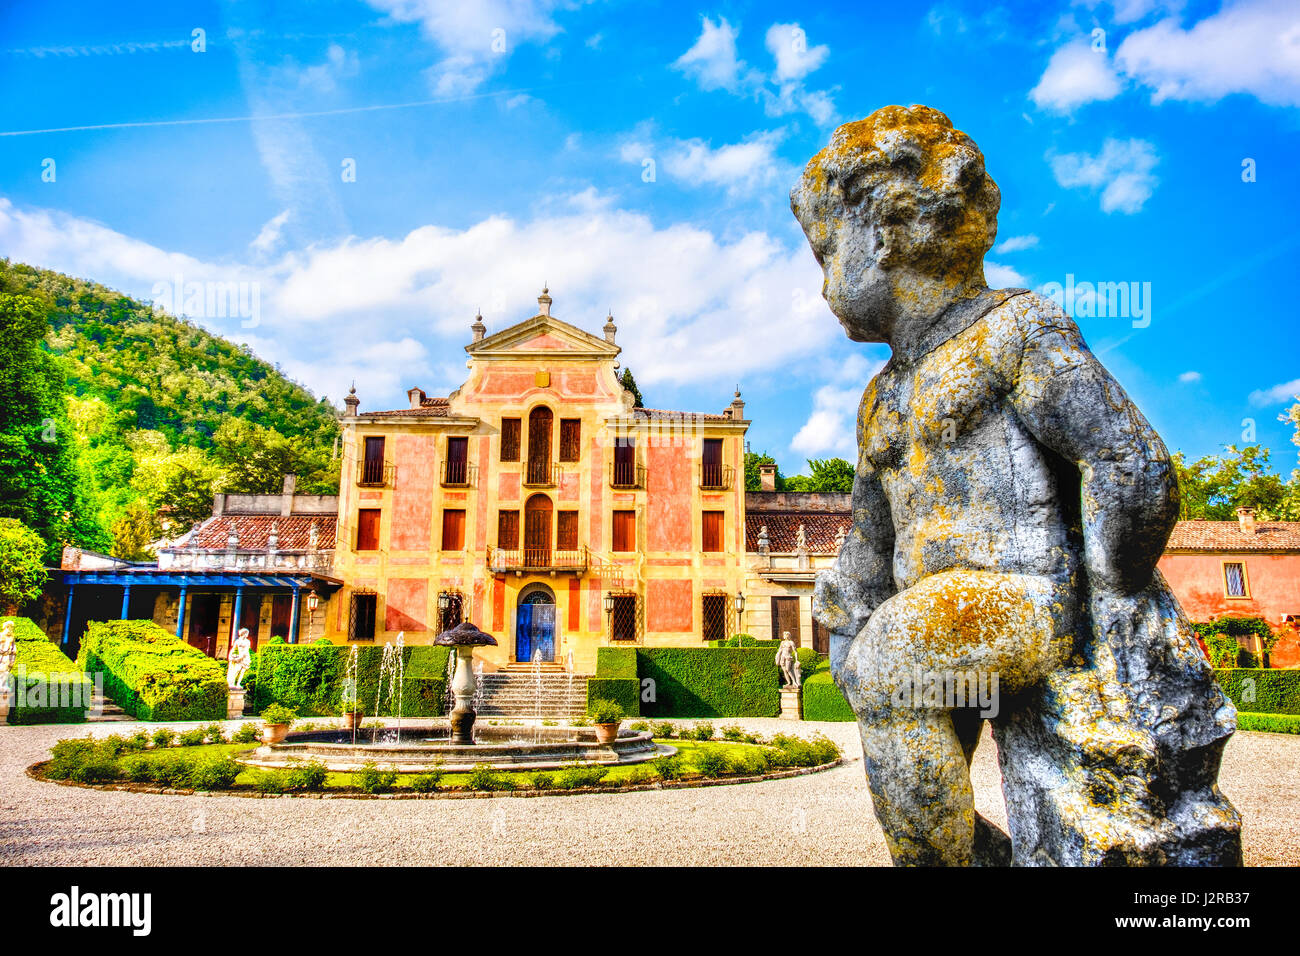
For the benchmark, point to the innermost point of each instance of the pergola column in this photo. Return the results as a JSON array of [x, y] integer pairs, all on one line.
[[293, 618], [67, 615], [234, 617], [180, 614], [126, 601]]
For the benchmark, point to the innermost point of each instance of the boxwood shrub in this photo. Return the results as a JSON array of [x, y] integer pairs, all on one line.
[[152, 674], [616, 679], [1261, 691], [1269, 723], [710, 681], [309, 678], [822, 699], [54, 690]]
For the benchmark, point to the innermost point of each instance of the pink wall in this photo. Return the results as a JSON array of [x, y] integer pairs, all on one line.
[[668, 498], [669, 605], [412, 515], [405, 604]]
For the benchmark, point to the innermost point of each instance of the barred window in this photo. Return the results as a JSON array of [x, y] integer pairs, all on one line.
[[713, 616], [361, 616], [455, 612], [1234, 579], [510, 439], [622, 619]]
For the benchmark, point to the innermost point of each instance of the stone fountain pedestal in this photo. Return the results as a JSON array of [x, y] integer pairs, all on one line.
[[463, 686]]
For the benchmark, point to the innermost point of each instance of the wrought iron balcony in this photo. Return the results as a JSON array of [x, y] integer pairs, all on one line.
[[459, 474], [533, 560], [541, 474], [626, 474], [716, 477], [373, 473]]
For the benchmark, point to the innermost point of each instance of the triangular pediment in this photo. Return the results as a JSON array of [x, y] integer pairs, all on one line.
[[542, 335]]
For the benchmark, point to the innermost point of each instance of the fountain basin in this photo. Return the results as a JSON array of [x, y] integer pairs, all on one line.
[[425, 747]]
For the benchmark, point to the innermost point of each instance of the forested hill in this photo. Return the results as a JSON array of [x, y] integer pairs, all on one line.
[[157, 414], [164, 373]]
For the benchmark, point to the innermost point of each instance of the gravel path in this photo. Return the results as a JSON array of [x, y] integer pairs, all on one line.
[[821, 819]]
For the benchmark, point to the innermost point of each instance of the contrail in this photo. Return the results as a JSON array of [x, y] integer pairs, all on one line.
[[282, 116]]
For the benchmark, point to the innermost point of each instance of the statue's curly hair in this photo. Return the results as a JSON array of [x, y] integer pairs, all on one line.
[[919, 180]]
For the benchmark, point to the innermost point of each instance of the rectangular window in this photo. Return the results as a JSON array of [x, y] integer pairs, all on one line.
[[453, 529], [625, 463], [785, 619], [713, 617], [711, 466], [570, 439], [821, 638], [508, 530], [566, 534], [368, 529], [510, 439], [372, 465], [624, 531], [361, 617], [1234, 579], [457, 467], [622, 618], [713, 524]]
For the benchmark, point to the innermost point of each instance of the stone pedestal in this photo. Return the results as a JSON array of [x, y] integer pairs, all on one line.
[[791, 703], [235, 703]]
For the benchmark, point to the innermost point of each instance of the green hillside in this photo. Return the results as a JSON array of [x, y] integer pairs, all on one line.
[[159, 414]]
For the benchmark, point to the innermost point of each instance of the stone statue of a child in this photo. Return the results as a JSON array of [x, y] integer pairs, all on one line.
[[239, 659], [787, 658], [1009, 507]]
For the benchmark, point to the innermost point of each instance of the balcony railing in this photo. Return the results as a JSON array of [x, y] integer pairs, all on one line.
[[536, 559], [373, 473], [458, 474], [541, 474], [716, 477], [626, 474]]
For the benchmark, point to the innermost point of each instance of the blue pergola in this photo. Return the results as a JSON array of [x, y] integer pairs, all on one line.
[[237, 581]]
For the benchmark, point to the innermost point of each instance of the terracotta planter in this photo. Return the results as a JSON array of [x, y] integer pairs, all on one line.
[[352, 721], [274, 733], [606, 733]]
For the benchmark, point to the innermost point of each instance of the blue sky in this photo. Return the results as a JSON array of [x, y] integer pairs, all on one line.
[[638, 157]]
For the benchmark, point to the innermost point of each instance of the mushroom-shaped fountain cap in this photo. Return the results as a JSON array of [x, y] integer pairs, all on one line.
[[464, 634]]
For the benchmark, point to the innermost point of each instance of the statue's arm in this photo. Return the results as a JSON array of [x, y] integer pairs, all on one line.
[[1129, 491], [862, 577]]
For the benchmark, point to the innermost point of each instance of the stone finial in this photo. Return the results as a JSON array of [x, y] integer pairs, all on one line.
[[544, 302], [232, 539], [764, 542], [737, 407], [478, 328], [610, 328], [839, 538], [313, 537], [352, 402], [273, 538]]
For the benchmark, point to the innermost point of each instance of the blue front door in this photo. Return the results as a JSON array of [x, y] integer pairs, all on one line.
[[535, 631]]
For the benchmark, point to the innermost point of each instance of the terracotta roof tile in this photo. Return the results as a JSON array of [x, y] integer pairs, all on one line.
[[820, 530], [1228, 536], [294, 532]]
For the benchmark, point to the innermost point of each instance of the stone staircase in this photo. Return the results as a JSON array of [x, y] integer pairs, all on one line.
[[107, 711], [514, 692]]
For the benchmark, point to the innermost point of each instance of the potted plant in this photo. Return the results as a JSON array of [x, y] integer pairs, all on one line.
[[351, 711], [276, 720], [606, 715]]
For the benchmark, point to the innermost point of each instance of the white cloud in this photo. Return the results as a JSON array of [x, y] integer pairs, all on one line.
[[322, 77], [832, 425], [1076, 74], [712, 60], [689, 304], [476, 38], [795, 59], [1122, 171], [1252, 46], [1277, 395], [1187, 378], [740, 168], [1016, 244], [1003, 277], [1129, 11], [269, 236]]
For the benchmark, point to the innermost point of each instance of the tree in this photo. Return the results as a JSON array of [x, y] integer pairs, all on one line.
[[752, 480], [22, 568], [1215, 486], [828, 474], [629, 383]]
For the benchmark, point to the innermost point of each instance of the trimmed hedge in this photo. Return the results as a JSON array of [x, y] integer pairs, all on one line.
[[1269, 723], [822, 699], [1270, 691], [616, 679], [308, 678], [710, 681], [53, 689], [152, 674]]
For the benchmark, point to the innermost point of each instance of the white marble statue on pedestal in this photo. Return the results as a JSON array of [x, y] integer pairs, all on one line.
[[788, 661], [239, 660]]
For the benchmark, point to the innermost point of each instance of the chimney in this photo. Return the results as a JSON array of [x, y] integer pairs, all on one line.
[[478, 328], [415, 397], [544, 302], [610, 328], [1246, 519], [767, 477], [287, 491], [737, 407], [218, 505]]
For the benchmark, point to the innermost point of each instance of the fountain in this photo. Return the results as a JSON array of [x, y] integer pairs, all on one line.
[[454, 744]]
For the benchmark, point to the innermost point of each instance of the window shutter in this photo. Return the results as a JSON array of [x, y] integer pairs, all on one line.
[[567, 531], [453, 529], [509, 439], [368, 529], [712, 537], [624, 531], [508, 530], [570, 439]]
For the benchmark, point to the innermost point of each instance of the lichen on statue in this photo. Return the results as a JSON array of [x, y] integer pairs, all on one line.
[[1010, 504]]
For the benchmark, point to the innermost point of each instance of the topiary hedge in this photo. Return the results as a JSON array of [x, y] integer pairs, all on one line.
[[309, 678], [1260, 690], [822, 699], [152, 674], [710, 681], [1269, 723], [616, 679], [48, 687]]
